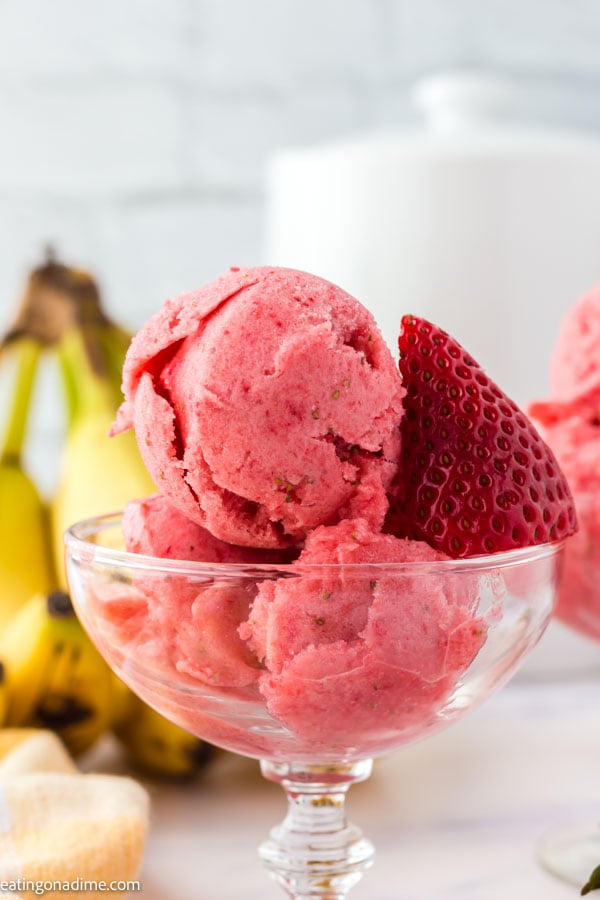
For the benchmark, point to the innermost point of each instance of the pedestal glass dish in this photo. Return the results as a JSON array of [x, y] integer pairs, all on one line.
[[313, 670]]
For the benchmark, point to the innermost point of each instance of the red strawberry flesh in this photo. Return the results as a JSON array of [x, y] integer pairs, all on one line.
[[475, 476]]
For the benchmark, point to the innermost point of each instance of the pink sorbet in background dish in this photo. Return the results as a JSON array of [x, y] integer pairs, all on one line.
[[570, 423], [575, 360], [572, 428], [265, 404], [347, 651]]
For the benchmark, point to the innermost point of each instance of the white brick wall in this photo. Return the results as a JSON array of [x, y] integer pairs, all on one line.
[[68, 38], [192, 238], [90, 138], [281, 45], [230, 135], [532, 35]]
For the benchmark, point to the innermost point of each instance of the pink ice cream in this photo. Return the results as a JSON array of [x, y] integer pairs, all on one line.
[[336, 653], [570, 422], [575, 361], [349, 652], [265, 404], [178, 624], [179, 636], [154, 527], [572, 429]]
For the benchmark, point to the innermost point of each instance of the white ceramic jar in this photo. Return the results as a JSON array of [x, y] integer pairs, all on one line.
[[486, 226]]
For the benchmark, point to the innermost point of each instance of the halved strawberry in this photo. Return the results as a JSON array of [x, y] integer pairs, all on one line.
[[475, 476]]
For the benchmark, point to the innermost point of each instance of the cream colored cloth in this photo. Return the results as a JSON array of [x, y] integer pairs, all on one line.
[[57, 825]]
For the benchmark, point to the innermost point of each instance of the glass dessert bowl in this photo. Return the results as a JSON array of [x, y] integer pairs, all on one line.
[[312, 669]]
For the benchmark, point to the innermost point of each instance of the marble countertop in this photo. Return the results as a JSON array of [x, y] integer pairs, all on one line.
[[457, 816]]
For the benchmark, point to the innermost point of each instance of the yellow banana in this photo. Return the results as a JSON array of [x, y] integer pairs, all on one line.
[[157, 746], [114, 342], [98, 474], [25, 554], [3, 695], [55, 678]]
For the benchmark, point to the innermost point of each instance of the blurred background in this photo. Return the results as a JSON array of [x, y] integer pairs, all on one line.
[[437, 156]]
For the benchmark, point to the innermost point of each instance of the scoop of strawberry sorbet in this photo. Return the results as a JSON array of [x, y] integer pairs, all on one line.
[[182, 624], [357, 644], [265, 404], [575, 361], [570, 422], [572, 428], [154, 527]]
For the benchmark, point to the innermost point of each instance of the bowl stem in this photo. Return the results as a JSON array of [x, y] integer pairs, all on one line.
[[315, 852]]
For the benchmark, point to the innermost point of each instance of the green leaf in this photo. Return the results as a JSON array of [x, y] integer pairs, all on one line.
[[593, 882]]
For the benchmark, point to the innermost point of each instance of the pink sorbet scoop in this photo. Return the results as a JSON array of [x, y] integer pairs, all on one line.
[[570, 423], [351, 650], [265, 404]]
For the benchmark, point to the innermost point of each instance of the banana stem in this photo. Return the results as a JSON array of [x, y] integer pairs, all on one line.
[[28, 357]]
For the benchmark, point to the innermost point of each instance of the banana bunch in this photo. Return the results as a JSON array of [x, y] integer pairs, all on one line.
[[50, 673]]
